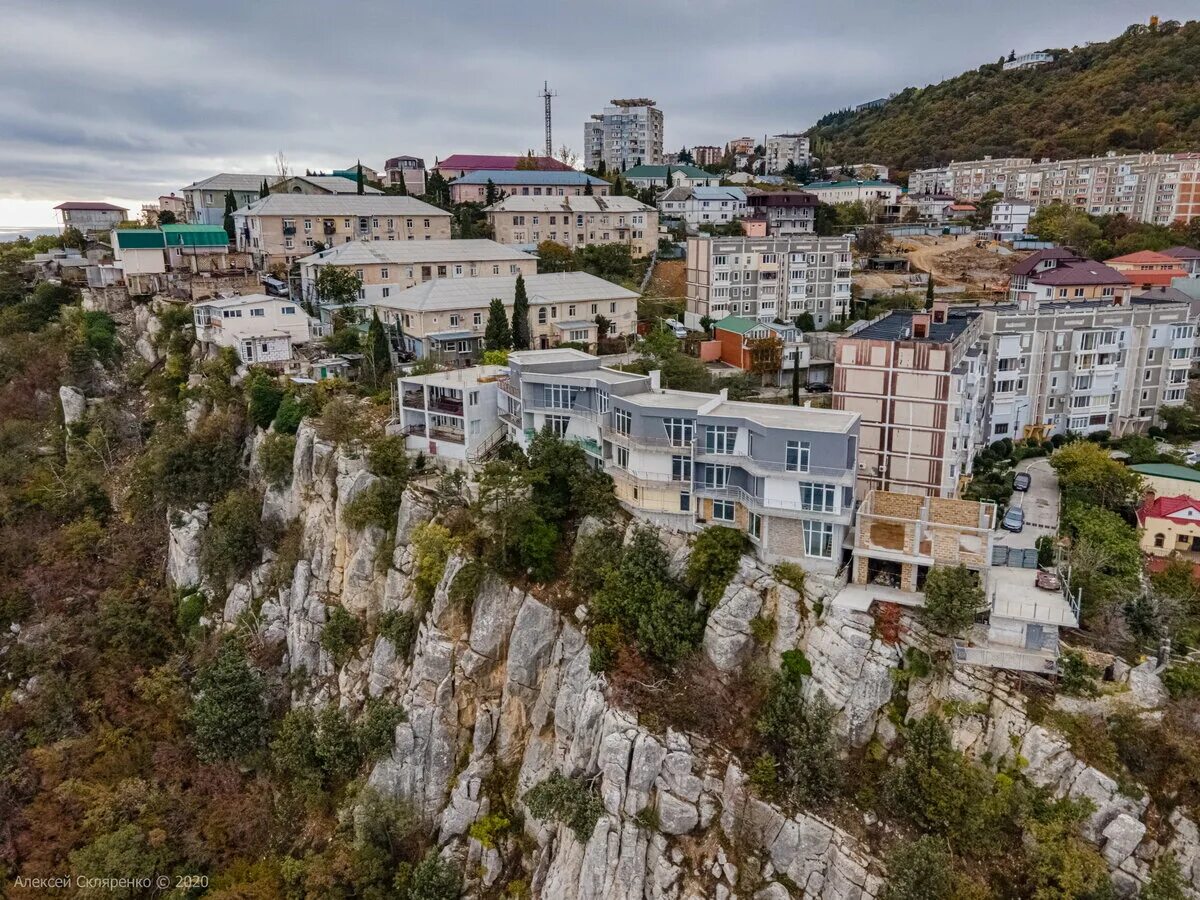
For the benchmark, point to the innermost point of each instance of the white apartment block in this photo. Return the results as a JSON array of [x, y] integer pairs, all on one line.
[[883, 194], [575, 221], [451, 415], [783, 149], [703, 205], [1011, 217], [386, 268], [628, 133], [1160, 188], [768, 278], [261, 329]]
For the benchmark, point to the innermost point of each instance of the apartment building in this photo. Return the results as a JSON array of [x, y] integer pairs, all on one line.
[[473, 188], [768, 278], [881, 196], [1160, 188], [460, 165], [445, 318], [627, 133], [1078, 366], [899, 538], [91, 216], [337, 183], [648, 176], [703, 205], [916, 380], [1059, 273], [785, 149], [785, 212], [707, 155], [282, 228], [782, 474], [204, 200], [575, 221], [262, 330], [451, 415], [1028, 60], [1010, 218], [388, 267], [409, 170], [1148, 269]]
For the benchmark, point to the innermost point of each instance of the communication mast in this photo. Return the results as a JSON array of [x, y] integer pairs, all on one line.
[[546, 94]]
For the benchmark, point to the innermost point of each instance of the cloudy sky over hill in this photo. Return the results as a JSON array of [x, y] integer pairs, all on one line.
[[125, 102]]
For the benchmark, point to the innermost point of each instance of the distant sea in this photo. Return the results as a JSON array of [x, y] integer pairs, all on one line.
[[11, 234]]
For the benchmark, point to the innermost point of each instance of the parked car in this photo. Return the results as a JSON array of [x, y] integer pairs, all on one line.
[[1014, 519], [677, 328], [1048, 580], [818, 387], [1022, 481], [1192, 457]]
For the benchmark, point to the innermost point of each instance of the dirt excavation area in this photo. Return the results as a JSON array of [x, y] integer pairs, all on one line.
[[962, 262]]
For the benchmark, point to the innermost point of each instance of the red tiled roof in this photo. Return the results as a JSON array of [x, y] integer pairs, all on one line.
[[1142, 257], [1167, 508], [90, 204], [469, 161]]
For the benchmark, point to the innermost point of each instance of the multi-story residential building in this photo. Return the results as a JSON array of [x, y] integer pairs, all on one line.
[[740, 146], [1011, 217], [881, 196], [91, 216], [407, 169], [473, 188], [1147, 269], [204, 200], [173, 204], [575, 221], [387, 267], [768, 278], [263, 330], [451, 415], [1187, 257], [281, 228], [1083, 366], [459, 165], [1060, 273], [1161, 188], [337, 183], [786, 212], [765, 348], [648, 176], [1028, 60], [928, 207], [915, 378], [899, 538], [445, 318], [783, 149], [703, 205], [707, 155], [628, 133], [782, 474]]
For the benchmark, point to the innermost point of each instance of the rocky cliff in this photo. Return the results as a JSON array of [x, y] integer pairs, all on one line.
[[499, 696]]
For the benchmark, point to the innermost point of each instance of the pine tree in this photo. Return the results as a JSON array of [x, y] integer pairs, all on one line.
[[929, 292], [618, 189], [602, 169], [587, 189], [358, 177], [490, 193], [497, 335], [230, 206], [521, 337], [379, 354], [264, 189]]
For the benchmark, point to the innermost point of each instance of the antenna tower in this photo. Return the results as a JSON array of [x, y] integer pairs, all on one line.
[[546, 94]]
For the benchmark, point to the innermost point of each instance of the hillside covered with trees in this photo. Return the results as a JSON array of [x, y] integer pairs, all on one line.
[[1138, 92]]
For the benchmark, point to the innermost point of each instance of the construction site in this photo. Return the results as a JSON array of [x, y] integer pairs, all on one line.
[[962, 265]]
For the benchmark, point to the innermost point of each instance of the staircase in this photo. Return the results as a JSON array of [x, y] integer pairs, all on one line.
[[483, 451]]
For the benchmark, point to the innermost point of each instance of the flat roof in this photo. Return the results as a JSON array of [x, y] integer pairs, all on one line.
[[672, 399], [554, 355], [893, 326], [401, 252], [456, 378], [459, 293], [339, 205], [528, 176], [777, 415]]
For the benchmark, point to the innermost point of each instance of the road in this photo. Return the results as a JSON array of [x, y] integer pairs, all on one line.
[[1040, 503]]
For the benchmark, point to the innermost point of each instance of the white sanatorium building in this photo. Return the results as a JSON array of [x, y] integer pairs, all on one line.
[[263, 330]]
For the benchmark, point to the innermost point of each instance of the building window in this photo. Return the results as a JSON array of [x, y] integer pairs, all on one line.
[[685, 501], [797, 456], [681, 468], [623, 457], [541, 315], [720, 438], [622, 421], [679, 431], [1160, 540], [383, 273], [716, 477], [559, 396], [756, 526], [723, 510], [818, 497], [558, 424], [477, 319], [818, 539], [602, 401]]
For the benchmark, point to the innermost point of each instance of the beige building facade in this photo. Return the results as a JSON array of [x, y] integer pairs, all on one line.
[[575, 221]]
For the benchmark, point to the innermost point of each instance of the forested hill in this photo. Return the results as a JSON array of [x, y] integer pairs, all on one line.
[[1138, 92]]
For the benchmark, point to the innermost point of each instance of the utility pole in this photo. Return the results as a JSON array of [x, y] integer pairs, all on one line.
[[546, 94]]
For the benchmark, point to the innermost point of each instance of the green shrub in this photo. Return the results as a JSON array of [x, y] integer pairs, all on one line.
[[487, 828], [1182, 679], [716, 552], [434, 879], [377, 504], [228, 716], [763, 775], [375, 733], [1166, 881], [342, 634], [799, 734], [920, 870], [594, 556], [292, 410], [275, 457], [605, 640], [230, 542], [263, 397], [953, 597], [1075, 677], [566, 800], [762, 630], [432, 545], [191, 608], [400, 628], [793, 576], [465, 586]]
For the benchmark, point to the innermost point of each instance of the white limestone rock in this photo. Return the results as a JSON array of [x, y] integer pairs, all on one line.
[[186, 529]]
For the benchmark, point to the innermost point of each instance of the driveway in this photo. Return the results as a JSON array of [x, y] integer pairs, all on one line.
[[1040, 503]]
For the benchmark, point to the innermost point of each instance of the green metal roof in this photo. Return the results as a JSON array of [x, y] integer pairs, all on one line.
[[140, 239], [736, 324], [1167, 470], [195, 236]]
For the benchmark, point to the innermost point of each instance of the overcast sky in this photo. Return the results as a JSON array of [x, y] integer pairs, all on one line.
[[126, 101]]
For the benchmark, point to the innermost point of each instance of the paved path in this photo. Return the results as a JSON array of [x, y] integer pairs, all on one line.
[[1040, 503]]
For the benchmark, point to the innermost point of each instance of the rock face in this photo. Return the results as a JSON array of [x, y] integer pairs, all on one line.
[[183, 546], [74, 404]]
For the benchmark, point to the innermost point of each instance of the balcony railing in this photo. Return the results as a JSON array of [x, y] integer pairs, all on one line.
[[446, 405], [770, 505], [414, 399], [771, 466], [1043, 661]]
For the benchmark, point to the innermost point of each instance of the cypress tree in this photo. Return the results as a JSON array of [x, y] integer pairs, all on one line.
[[380, 357], [929, 292], [795, 378], [264, 189], [230, 206], [490, 194], [587, 189], [497, 335], [618, 188], [358, 178], [521, 337]]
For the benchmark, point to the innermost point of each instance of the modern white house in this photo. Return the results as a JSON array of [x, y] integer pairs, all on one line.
[[450, 415], [263, 330], [703, 205], [1011, 217]]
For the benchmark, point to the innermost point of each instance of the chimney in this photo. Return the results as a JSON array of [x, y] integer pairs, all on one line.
[[920, 325], [655, 380], [941, 309]]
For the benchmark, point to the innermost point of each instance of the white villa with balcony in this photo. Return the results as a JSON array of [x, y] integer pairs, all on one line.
[[451, 415], [262, 330]]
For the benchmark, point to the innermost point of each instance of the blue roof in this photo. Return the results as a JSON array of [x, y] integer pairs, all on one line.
[[527, 176]]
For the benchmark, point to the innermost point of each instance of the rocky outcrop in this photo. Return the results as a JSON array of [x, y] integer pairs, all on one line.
[[186, 529], [74, 405]]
